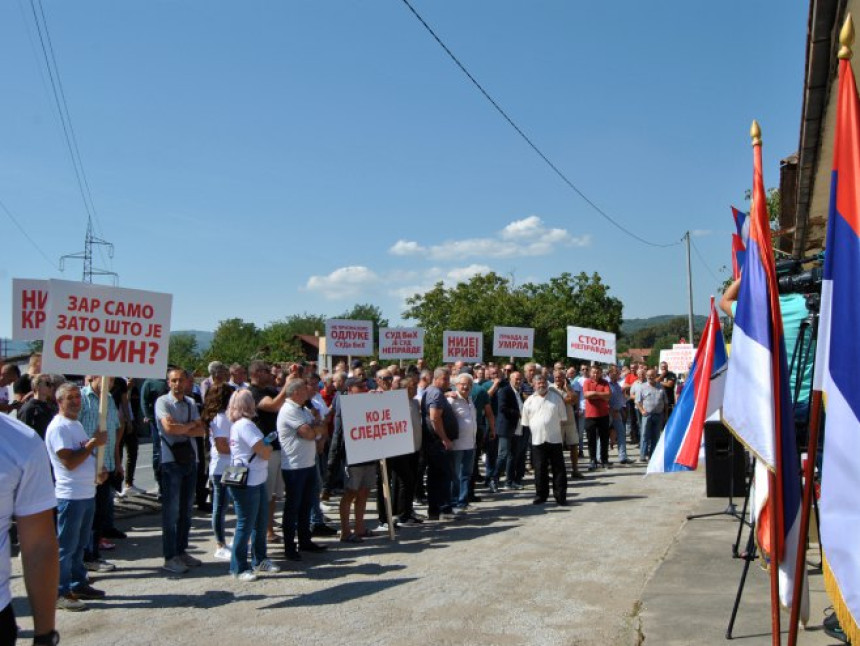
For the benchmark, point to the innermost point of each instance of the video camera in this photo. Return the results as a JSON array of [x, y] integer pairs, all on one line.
[[792, 278]]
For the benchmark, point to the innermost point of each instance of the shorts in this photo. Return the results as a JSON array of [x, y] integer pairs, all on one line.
[[361, 476], [570, 435], [275, 481]]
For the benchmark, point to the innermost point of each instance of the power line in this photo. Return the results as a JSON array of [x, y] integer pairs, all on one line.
[[705, 264], [531, 144], [27, 235], [65, 116]]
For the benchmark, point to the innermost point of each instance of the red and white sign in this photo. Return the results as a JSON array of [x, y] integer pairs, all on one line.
[[98, 330], [591, 345], [401, 342], [513, 341], [347, 337], [679, 357], [29, 298], [462, 346], [377, 425]]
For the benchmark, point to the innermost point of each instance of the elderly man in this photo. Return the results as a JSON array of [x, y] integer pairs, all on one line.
[[617, 406], [299, 433], [440, 425], [178, 424], [509, 431], [102, 521], [218, 374], [27, 494], [463, 448], [238, 375], [569, 430], [72, 455], [544, 411]]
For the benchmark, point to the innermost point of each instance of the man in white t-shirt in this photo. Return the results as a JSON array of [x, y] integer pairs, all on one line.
[[72, 455], [299, 434], [462, 453], [544, 413], [26, 492]]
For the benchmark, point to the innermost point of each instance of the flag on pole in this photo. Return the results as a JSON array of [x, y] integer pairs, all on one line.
[[836, 361], [678, 446], [739, 241], [757, 403]]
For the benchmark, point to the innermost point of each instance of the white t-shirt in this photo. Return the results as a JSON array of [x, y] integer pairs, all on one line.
[[25, 487], [467, 421], [219, 427], [544, 415], [244, 435], [296, 451], [79, 483]]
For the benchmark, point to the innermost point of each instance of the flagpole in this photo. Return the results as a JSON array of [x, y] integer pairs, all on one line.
[[773, 476], [808, 489], [689, 290]]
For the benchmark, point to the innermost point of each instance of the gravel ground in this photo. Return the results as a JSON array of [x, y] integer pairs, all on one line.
[[509, 573]]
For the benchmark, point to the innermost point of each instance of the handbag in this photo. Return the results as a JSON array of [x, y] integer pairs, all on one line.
[[183, 452], [236, 476]]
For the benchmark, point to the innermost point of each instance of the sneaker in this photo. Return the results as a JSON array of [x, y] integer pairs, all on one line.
[[86, 591], [223, 554], [70, 602], [175, 565], [99, 565], [493, 487], [247, 575], [448, 515], [131, 490], [189, 560], [626, 461], [267, 566], [460, 511], [515, 485], [383, 527], [592, 466], [105, 544], [411, 520]]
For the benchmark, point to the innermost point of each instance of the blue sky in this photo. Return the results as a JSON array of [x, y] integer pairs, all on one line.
[[259, 159]]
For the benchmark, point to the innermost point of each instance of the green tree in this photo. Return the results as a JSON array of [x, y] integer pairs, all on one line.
[[277, 339], [235, 341], [183, 351]]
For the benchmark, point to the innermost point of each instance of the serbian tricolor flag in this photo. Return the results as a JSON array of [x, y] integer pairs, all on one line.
[[739, 241], [837, 365], [757, 405], [678, 446]]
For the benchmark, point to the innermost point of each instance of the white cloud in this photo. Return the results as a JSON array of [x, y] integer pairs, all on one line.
[[462, 274], [701, 233], [406, 248], [521, 238], [343, 282]]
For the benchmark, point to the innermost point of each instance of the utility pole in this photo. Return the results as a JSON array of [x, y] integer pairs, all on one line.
[[87, 256], [689, 289]]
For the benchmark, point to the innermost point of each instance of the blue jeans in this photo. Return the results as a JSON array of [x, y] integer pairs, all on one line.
[[220, 499], [317, 517], [650, 430], [462, 463], [156, 453], [505, 460], [178, 483], [74, 526], [298, 489], [621, 435], [252, 520]]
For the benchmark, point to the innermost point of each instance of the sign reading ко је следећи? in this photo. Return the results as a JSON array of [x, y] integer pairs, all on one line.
[[99, 330], [377, 426]]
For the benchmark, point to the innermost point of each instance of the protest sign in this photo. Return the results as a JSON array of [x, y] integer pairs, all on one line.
[[29, 298], [98, 330], [679, 357], [377, 426], [462, 346], [591, 345], [513, 341], [401, 342], [350, 338]]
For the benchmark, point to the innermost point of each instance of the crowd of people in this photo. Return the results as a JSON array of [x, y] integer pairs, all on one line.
[[279, 430]]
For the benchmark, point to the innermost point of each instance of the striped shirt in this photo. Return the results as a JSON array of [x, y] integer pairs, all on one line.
[[89, 419]]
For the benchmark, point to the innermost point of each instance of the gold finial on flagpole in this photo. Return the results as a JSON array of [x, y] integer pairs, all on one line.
[[846, 37], [755, 133]]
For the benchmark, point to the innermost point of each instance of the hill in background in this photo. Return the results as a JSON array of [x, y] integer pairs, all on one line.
[[630, 326], [203, 338]]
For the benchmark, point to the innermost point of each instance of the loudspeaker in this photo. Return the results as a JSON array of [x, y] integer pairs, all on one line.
[[725, 463]]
